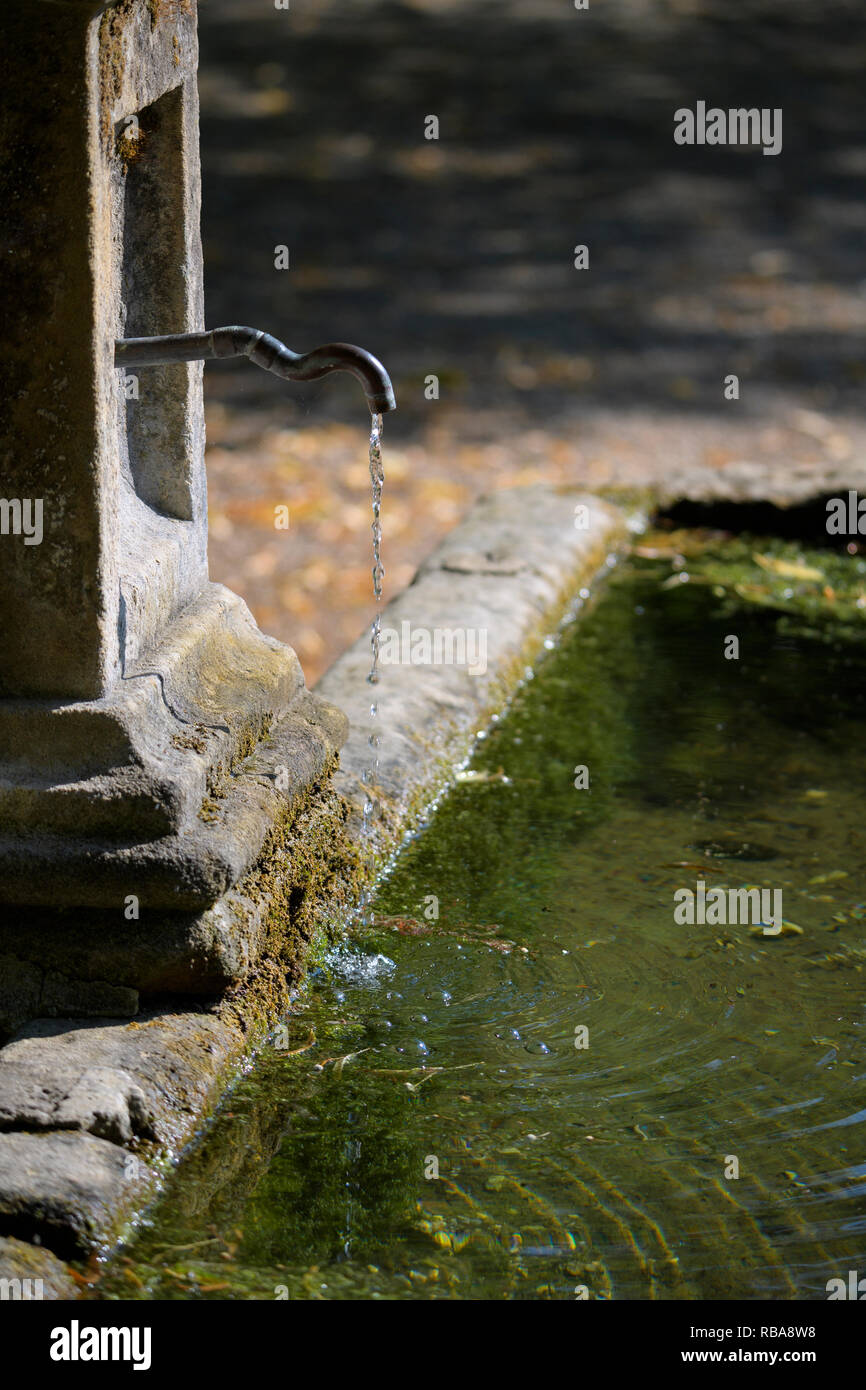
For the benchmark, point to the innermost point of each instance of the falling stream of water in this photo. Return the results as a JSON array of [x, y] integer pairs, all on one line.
[[377, 479]]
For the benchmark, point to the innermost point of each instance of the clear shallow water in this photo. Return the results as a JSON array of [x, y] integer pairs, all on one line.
[[563, 1168]]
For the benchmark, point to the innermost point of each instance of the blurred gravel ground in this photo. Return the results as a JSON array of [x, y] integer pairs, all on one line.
[[455, 258]]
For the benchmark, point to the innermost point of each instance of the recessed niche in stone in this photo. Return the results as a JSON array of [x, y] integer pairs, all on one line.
[[149, 205]]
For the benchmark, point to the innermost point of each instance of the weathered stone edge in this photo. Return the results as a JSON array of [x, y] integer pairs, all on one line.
[[513, 565]]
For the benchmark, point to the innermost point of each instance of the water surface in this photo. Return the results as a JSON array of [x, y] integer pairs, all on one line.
[[447, 1044]]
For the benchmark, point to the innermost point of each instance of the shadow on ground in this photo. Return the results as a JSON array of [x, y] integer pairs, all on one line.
[[455, 258]]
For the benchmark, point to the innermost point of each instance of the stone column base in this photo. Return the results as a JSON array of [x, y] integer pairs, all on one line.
[[133, 827]]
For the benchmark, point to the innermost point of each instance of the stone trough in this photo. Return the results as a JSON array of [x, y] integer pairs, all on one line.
[[173, 833], [92, 1110], [180, 818]]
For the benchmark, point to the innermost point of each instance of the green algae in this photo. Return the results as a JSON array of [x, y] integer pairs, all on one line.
[[819, 594], [437, 1124]]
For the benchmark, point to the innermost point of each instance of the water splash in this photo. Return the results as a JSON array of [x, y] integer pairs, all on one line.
[[363, 969], [377, 480]]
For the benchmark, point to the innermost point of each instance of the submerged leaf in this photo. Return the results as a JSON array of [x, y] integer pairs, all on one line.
[[786, 570]]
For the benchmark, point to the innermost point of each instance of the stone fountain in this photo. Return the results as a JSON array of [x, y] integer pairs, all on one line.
[[151, 737]]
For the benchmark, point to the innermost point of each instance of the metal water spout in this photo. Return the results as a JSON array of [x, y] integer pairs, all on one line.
[[266, 351]]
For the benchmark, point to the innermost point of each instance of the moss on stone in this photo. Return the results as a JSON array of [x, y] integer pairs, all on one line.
[[305, 873], [193, 742], [305, 880], [162, 10], [246, 739], [111, 65]]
